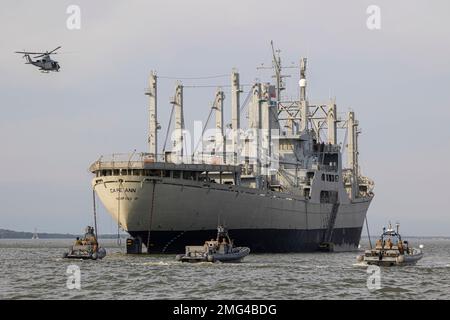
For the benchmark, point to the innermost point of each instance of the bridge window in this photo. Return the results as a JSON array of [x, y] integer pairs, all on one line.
[[324, 197], [328, 196]]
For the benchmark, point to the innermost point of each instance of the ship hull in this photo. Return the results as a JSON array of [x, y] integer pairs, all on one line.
[[259, 240], [169, 214]]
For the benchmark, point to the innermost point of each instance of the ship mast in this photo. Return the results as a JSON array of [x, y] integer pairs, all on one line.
[[290, 111], [255, 126], [276, 66], [151, 92], [220, 147], [303, 102], [352, 151], [177, 102], [331, 121], [235, 114], [276, 62]]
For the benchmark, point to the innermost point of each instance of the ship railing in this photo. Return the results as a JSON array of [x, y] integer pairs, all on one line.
[[228, 158], [139, 160], [320, 148]]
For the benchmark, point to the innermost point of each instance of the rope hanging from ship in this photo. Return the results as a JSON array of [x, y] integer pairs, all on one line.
[[176, 237], [151, 216], [119, 239], [168, 128], [368, 233], [119, 242], [204, 127], [194, 78], [95, 212], [246, 101]]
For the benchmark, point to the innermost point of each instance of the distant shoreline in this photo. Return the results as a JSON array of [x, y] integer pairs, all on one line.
[[405, 237], [11, 234]]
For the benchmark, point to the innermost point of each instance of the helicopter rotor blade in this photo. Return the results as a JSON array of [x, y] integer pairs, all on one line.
[[51, 52], [27, 52], [40, 53]]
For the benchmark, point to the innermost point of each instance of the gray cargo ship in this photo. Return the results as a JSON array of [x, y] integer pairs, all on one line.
[[279, 185]]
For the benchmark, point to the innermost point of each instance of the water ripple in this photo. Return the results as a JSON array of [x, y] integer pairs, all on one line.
[[35, 270]]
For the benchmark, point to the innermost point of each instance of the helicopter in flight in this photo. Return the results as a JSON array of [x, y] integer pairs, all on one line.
[[46, 64]]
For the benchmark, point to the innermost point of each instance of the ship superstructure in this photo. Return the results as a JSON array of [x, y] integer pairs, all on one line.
[[282, 176]]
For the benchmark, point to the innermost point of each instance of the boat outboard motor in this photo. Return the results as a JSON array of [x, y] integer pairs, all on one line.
[[400, 258], [101, 252]]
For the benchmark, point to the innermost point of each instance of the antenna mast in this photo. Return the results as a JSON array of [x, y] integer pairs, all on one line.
[[276, 61], [276, 65]]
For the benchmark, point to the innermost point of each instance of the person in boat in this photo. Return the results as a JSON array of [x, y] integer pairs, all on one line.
[[407, 247], [400, 247], [224, 243], [90, 238], [388, 244], [379, 244]]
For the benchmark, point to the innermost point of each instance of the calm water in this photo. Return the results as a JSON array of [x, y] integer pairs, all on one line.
[[32, 269]]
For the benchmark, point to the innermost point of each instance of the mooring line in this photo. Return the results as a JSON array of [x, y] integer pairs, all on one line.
[[95, 212], [368, 233], [151, 216]]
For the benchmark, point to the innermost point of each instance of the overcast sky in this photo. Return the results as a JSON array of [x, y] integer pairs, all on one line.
[[53, 126]]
